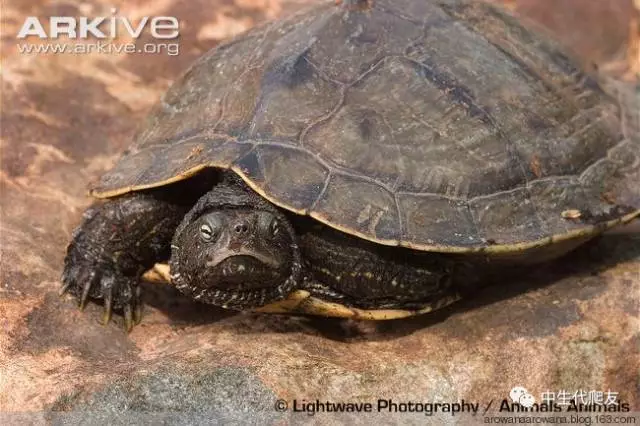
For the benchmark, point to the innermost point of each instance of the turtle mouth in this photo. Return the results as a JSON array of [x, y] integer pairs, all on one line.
[[233, 272], [230, 258], [236, 282]]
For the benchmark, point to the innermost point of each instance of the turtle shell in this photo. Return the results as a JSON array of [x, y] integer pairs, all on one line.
[[441, 126]]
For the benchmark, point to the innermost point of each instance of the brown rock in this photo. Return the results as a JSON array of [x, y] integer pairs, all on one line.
[[571, 325]]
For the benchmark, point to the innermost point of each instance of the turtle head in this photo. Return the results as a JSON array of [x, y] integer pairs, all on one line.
[[235, 250]]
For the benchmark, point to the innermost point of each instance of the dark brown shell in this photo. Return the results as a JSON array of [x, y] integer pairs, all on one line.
[[441, 126]]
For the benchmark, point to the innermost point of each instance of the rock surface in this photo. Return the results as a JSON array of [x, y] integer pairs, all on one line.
[[570, 325]]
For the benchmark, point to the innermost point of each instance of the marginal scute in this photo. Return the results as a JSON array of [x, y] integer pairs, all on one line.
[[361, 206], [296, 190], [443, 126], [452, 225], [126, 172], [553, 196], [250, 167], [507, 217]]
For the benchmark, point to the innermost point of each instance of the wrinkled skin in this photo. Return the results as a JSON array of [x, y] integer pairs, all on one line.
[[234, 249], [239, 249], [114, 245], [227, 247]]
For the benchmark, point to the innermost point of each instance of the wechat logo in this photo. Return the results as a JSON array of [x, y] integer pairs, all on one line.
[[521, 396]]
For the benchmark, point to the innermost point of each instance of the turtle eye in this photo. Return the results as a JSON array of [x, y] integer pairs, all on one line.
[[269, 224], [274, 227], [206, 233], [210, 227]]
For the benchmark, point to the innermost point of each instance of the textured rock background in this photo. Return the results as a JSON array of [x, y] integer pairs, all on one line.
[[572, 325]]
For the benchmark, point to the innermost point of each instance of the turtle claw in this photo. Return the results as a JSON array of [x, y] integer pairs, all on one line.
[[137, 312], [108, 307], [64, 288], [132, 309], [88, 279], [106, 317], [128, 318], [86, 290]]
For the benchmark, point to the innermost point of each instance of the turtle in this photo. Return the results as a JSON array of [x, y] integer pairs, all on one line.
[[362, 159]]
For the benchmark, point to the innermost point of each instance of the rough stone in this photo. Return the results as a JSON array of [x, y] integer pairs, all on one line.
[[570, 325]]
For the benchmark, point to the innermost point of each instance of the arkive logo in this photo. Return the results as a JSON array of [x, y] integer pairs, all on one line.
[[101, 27]]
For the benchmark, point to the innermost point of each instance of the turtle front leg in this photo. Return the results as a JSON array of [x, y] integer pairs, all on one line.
[[117, 241]]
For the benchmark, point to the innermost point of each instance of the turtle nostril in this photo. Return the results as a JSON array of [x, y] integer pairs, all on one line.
[[241, 228]]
